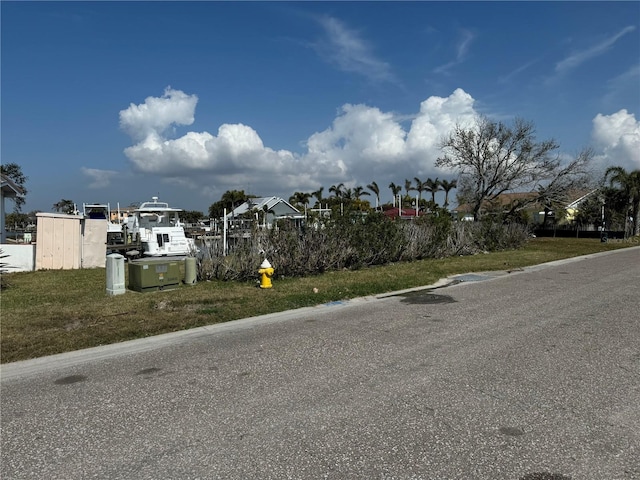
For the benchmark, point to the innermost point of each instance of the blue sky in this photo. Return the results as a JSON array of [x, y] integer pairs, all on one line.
[[120, 101]]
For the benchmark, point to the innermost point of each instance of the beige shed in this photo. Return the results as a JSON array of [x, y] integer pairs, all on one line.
[[69, 242]]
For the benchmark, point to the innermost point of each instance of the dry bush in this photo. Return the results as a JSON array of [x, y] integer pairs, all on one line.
[[353, 242]]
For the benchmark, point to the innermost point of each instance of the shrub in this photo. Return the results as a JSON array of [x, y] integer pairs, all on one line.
[[354, 241]]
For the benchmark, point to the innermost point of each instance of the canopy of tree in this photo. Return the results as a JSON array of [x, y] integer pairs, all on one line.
[[492, 158]]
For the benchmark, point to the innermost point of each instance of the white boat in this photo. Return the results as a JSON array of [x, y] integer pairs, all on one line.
[[102, 211], [159, 230]]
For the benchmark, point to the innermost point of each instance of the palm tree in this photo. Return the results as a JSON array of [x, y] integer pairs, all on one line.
[[629, 184], [395, 189], [420, 187], [318, 195], [337, 190], [362, 205], [432, 186], [359, 192], [234, 198], [347, 194], [300, 198], [447, 186], [408, 186], [373, 186]]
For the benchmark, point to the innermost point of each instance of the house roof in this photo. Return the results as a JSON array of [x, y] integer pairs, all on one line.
[[10, 189], [502, 200], [404, 213], [261, 203], [579, 200], [507, 199]]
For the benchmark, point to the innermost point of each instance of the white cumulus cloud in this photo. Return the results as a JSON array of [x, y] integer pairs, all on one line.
[[363, 144], [617, 136], [155, 115]]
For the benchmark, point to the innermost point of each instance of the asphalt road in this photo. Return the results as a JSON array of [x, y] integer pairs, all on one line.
[[526, 375]]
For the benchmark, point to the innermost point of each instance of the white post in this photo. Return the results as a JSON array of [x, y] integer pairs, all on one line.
[[3, 232], [417, 206], [224, 233]]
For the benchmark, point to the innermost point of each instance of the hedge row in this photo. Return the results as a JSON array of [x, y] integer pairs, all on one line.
[[353, 242]]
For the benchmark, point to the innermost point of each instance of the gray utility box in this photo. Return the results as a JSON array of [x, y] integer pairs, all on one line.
[[149, 275]]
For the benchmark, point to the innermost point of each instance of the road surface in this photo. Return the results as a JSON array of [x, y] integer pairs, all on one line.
[[526, 375]]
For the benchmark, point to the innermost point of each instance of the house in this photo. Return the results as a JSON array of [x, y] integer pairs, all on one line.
[[503, 202], [506, 201], [266, 210], [573, 207], [10, 189]]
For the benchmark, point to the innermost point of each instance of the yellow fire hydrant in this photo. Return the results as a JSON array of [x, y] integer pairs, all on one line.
[[266, 272]]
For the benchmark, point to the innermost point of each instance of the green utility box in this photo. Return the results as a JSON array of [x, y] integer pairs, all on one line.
[[149, 275]]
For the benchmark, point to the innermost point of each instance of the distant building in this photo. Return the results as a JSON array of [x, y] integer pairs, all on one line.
[[403, 213], [506, 201], [266, 211]]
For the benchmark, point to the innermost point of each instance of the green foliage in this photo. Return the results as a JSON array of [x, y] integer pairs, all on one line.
[[229, 200], [628, 184], [493, 236], [64, 206], [590, 210], [14, 172], [16, 220], [191, 216], [3, 279], [372, 239]]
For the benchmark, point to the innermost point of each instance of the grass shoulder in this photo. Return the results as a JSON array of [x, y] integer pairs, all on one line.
[[55, 311]]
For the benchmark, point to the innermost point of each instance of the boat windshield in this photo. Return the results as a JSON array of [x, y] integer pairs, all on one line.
[[159, 219]]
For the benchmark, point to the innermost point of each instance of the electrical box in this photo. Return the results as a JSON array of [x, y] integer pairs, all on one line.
[[149, 275]]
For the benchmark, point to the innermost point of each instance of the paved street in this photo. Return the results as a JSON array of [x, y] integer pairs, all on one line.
[[527, 375]]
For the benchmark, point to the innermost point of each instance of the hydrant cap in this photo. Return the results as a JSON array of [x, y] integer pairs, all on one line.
[[265, 264]]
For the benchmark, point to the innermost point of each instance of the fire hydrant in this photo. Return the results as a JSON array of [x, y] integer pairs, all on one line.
[[266, 272]]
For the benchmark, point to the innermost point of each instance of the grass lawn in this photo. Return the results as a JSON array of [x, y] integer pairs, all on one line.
[[54, 311]]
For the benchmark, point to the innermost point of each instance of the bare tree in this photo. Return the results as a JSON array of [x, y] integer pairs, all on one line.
[[492, 158]]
